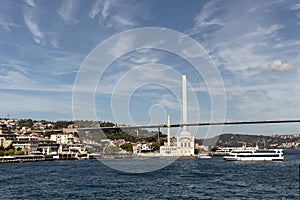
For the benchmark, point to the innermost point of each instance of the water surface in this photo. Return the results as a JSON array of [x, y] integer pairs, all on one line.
[[184, 179]]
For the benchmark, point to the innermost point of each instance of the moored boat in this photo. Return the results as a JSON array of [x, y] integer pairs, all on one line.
[[255, 155], [203, 156]]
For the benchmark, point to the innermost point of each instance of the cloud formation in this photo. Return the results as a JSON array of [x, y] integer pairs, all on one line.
[[113, 14], [248, 41], [33, 26], [278, 65], [6, 24], [67, 10], [30, 3]]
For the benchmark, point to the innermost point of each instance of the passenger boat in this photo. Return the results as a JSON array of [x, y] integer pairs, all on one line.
[[203, 155], [255, 155]]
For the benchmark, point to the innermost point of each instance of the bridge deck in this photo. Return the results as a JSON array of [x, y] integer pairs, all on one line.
[[196, 124]]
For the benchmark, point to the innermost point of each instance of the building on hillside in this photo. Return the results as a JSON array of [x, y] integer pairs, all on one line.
[[7, 139], [71, 129], [48, 148], [64, 138], [141, 147], [29, 143], [4, 129]]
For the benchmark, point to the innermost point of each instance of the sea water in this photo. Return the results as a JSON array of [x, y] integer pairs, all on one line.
[[186, 178]]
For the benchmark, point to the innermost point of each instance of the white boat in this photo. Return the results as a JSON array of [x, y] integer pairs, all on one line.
[[223, 152], [203, 156], [255, 155]]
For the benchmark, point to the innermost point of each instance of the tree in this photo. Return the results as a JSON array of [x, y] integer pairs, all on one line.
[[9, 152], [111, 150], [26, 123], [155, 146], [215, 148], [18, 152], [127, 147], [62, 124]]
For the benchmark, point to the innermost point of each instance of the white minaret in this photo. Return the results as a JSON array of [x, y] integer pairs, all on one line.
[[185, 141], [169, 132], [184, 103]]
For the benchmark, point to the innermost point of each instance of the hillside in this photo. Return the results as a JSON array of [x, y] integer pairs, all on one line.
[[237, 140]]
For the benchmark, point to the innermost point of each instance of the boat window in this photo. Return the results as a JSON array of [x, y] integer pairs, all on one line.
[[265, 151]]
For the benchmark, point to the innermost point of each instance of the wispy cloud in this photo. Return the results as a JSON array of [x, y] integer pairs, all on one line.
[[106, 8], [6, 24], [17, 77], [34, 102], [30, 3], [205, 18], [242, 47], [122, 45], [114, 14], [33, 26], [295, 6], [252, 52], [97, 7], [67, 11], [168, 101], [248, 51], [121, 21]]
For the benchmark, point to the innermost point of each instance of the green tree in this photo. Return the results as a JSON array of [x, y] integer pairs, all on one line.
[[215, 148], [127, 147], [111, 150], [154, 146], [62, 124], [26, 123], [18, 152], [9, 152]]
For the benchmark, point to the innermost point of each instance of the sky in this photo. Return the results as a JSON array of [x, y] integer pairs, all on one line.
[[241, 59]]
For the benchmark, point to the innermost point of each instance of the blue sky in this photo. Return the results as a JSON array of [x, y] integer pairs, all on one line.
[[254, 45]]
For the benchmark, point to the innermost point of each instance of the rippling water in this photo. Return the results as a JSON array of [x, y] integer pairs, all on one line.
[[184, 179]]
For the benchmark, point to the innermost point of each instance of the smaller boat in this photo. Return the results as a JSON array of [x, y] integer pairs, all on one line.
[[255, 155], [203, 155]]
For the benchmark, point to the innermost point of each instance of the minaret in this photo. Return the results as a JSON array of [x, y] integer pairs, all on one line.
[[185, 141], [184, 103], [169, 132]]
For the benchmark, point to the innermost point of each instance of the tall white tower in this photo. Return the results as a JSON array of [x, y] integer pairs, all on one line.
[[185, 141], [184, 103], [169, 131]]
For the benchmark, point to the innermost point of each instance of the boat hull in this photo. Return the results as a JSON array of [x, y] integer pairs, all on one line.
[[263, 159]]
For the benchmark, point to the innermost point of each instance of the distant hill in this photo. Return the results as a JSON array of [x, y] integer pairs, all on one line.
[[237, 140], [130, 135]]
